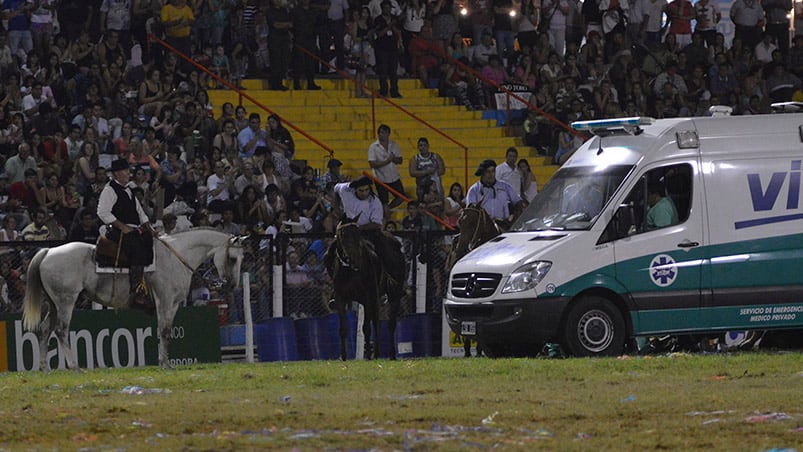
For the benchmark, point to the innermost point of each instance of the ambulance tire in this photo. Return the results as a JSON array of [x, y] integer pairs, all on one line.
[[594, 327]]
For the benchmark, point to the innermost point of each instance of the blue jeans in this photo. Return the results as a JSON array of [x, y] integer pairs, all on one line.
[[20, 38], [504, 40]]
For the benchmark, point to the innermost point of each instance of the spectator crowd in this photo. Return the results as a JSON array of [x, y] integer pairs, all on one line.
[[81, 85]]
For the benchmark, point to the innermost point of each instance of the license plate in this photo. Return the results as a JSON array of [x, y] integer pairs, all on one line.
[[468, 328]]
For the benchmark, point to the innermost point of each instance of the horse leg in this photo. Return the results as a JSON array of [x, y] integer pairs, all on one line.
[[344, 326], [62, 335], [43, 335], [164, 320], [369, 325], [394, 302]]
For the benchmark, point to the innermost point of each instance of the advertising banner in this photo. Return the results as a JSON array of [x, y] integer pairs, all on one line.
[[108, 338]]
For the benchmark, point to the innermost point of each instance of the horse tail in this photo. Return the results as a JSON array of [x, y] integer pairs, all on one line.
[[32, 308]]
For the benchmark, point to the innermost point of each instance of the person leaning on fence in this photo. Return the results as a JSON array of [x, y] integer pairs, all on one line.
[[129, 227]]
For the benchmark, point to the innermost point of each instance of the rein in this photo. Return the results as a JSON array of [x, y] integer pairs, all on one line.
[[479, 225], [227, 270], [340, 252]]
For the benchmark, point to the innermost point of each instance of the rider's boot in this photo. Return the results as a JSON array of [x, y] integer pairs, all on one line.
[[139, 297]]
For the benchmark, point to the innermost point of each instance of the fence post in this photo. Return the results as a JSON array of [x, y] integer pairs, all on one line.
[[278, 309], [249, 323], [420, 285]]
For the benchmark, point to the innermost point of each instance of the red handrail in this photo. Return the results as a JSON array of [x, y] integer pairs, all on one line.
[[509, 95], [375, 95], [242, 93], [406, 199]]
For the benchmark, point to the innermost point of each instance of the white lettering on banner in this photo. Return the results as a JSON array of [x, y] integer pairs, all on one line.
[[182, 361], [515, 104], [772, 313], [121, 337], [129, 339]]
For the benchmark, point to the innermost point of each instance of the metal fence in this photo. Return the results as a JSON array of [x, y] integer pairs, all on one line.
[[284, 271]]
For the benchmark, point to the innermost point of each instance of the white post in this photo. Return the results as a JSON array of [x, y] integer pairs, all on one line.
[[420, 286], [360, 346], [249, 323], [278, 309]]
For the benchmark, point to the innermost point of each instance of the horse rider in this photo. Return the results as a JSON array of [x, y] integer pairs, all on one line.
[[360, 203], [130, 229], [495, 196]]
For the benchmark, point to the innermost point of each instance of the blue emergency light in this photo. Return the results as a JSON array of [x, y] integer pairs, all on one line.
[[615, 123]]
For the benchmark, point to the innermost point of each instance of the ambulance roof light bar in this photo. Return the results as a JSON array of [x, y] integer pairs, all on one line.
[[787, 107], [630, 125]]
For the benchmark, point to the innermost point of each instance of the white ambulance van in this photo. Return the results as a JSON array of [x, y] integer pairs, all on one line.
[[671, 226]]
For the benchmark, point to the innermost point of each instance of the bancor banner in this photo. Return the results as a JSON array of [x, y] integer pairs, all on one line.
[[108, 338]]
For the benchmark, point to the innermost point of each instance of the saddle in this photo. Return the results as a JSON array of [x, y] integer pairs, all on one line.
[[106, 254]]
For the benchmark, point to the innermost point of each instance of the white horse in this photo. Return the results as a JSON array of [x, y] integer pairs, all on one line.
[[59, 275]]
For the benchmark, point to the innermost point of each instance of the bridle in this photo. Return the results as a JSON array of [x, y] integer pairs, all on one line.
[[227, 270], [342, 255], [482, 223]]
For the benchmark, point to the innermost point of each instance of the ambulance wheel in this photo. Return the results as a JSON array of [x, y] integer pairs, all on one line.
[[594, 327]]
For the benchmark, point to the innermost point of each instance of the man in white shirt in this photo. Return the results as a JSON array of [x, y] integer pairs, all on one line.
[[218, 186], [74, 142], [383, 156], [509, 171], [32, 101], [479, 53]]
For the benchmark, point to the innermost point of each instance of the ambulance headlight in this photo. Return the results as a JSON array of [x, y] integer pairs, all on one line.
[[526, 277]]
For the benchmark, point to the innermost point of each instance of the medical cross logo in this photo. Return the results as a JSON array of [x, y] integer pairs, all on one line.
[[663, 270]]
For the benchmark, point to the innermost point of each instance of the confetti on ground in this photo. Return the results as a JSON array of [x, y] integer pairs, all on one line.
[[768, 417]]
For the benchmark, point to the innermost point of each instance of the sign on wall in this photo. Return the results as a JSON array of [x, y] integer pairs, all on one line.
[[108, 338]]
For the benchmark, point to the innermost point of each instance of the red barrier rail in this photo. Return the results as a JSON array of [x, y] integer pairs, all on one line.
[[375, 95], [406, 199], [509, 95], [241, 93]]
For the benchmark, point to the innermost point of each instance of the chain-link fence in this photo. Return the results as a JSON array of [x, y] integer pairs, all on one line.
[[295, 261]]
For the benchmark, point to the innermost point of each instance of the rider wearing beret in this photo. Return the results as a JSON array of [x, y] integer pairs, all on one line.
[[360, 204], [495, 196], [129, 227]]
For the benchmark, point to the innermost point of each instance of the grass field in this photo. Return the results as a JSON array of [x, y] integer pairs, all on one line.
[[745, 401]]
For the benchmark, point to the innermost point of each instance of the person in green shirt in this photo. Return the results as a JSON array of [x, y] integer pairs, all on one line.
[[662, 211]]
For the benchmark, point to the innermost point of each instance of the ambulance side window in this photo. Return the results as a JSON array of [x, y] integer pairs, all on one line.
[[661, 198]]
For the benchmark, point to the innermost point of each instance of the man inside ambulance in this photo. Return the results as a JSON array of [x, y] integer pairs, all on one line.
[[662, 211]]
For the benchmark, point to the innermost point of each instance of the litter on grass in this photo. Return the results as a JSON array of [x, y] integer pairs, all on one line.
[[768, 417]]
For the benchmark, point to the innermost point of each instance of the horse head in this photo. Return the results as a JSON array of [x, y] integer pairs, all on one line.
[[476, 227], [228, 260], [348, 239]]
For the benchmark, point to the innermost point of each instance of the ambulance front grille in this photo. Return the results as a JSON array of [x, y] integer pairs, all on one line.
[[475, 285]]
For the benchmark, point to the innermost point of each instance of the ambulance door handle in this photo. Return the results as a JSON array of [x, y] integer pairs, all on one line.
[[687, 244]]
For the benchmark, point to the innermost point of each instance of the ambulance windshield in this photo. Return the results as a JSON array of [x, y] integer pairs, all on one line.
[[572, 199]]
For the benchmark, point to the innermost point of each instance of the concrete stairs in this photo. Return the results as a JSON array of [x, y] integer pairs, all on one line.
[[345, 123]]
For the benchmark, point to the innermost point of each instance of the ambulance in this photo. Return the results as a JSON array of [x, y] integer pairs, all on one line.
[[653, 227]]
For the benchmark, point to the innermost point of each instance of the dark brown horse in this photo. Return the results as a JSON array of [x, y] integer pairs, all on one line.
[[476, 227], [360, 272]]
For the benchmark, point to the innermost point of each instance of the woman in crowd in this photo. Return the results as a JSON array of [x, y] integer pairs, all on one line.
[[152, 95], [454, 204], [279, 138], [225, 142], [529, 187], [164, 124], [252, 211], [360, 30], [85, 167]]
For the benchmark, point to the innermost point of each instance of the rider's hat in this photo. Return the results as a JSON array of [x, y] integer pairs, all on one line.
[[119, 165], [484, 166], [361, 182]]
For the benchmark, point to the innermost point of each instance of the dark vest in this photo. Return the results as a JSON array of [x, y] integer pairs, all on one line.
[[125, 209]]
